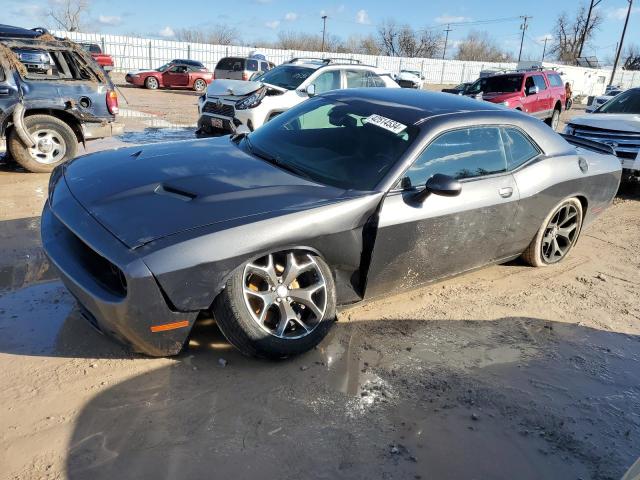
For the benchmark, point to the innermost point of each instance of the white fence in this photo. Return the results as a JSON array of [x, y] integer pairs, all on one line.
[[131, 53]]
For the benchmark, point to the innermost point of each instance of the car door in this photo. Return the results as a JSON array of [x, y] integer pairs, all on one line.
[[544, 98], [176, 76], [8, 95], [530, 98], [416, 243]]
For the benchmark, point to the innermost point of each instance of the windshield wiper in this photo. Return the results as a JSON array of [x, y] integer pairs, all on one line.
[[272, 159]]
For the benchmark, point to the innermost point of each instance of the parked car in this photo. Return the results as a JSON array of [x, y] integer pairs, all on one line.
[[460, 89], [45, 112], [230, 104], [175, 74], [410, 79], [602, 99], [538, 93], [239, 68], [330, 203], [617, 124], [103, 59]]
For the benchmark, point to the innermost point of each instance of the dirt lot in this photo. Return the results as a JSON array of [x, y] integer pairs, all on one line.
[[509, 372]]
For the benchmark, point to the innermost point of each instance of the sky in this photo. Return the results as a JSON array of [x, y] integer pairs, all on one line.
[[258, 20]]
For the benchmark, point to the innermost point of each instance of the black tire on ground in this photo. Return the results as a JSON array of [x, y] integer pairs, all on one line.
[[199, 85], [63, 133], [533, 255], [151, 83], [243, 332], [554, 119]]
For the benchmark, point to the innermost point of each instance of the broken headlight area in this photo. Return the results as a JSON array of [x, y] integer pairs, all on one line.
[[252, 100]]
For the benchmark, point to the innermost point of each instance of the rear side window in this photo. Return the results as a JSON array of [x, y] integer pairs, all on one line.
[[231, 64], [518, 148], [363, 78], [465, 153], [539, 82], [252, 65], [555, 80]]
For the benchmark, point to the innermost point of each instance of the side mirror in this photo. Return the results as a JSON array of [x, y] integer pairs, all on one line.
[[442, 185], [533, 90], [311, 90]]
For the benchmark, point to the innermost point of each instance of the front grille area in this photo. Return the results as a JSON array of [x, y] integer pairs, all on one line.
[[105, 273], [221, 109], [626, 144], [406, 83]]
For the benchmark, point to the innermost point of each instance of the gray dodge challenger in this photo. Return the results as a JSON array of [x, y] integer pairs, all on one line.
[[351, 195]]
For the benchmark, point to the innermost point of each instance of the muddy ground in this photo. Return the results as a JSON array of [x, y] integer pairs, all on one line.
[[509, 372]]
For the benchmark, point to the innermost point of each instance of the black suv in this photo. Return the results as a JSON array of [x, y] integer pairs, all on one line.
[[53, 96]]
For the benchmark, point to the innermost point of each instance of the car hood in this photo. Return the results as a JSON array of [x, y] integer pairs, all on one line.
[[145, 193], [232, 87], [408, 76], [138, 72], [623, 122]]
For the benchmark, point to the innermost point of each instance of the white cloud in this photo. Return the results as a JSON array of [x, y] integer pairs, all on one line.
[[273, 24], [112, 20], [362, 17], [451, 19], [621, 13], [29, 10], [291, 16], [167, 32]]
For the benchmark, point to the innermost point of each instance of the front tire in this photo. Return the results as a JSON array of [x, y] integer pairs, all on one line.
[[557, 235], [55, 143], [279, 305], [151, 83]]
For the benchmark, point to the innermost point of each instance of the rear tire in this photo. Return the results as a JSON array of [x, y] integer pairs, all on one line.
[[55, 144], [199, 85], [260, 320], [557, 235]]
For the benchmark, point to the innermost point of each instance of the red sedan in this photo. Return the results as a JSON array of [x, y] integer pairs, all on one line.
[[175, 74]]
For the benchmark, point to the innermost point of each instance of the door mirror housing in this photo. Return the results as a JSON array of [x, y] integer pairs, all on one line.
[[311, 90], [533, 90], [442, 185]]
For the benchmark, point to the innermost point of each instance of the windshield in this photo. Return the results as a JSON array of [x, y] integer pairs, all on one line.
[[164, 67], [286, 76], [412, 72], [341, 144], [626, 102], [498, 84]]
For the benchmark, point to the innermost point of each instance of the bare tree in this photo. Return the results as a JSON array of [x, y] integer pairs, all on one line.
[[217, 35], [479, 47], [568, 33], [68, 15], [632, 58], [290, 40], [403, 41]]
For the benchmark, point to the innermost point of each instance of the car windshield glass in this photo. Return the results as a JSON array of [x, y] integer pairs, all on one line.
[[164, 67], [286, 76], [627, 102], [499, 84], [412, 72], [345, 145]]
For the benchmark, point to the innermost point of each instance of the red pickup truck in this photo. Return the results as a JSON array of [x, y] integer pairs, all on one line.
[[102, 59], [539, 93]]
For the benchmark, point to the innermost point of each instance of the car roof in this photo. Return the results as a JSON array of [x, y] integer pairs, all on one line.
[[187, 62], [411, 106]]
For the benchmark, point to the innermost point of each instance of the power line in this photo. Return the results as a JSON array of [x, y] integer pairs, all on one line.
[[523, 27], [619, 49]]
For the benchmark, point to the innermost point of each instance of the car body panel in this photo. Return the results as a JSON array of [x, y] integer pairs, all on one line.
[[375, 242]]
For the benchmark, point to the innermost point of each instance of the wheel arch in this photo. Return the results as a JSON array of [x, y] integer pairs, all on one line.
[[61, 115]]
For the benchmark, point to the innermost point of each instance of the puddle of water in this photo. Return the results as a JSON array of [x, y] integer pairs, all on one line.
[[156, 135]]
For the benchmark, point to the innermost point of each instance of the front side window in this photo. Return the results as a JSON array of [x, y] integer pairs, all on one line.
[[252, 65], [179, 69], [539, 82], [518, 148], [465, 153], [333, 143], [327, 81]]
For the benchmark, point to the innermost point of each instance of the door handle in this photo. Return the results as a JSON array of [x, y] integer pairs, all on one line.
[[4, 91], [505, 192]]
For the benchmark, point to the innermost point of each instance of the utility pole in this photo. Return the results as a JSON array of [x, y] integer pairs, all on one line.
[[592, 5], [446, 39], [324, 29], [544, 49], [620, 45], [523, 27]]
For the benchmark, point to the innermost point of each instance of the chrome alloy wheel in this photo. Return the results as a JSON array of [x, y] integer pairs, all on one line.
[[286, 294], [560, 233], [49, 147]]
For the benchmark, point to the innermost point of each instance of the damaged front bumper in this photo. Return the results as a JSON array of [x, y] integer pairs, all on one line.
[[117, 292]]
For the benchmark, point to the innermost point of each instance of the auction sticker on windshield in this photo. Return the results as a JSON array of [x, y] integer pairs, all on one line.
[[386, 123]]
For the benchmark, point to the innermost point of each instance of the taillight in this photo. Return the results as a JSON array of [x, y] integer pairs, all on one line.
[[245, 76], [112, 102]]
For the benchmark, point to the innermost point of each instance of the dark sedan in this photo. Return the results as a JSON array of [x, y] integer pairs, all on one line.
[[345, 197]]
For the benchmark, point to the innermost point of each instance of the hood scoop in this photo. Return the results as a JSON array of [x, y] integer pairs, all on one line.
[[174, 192]]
